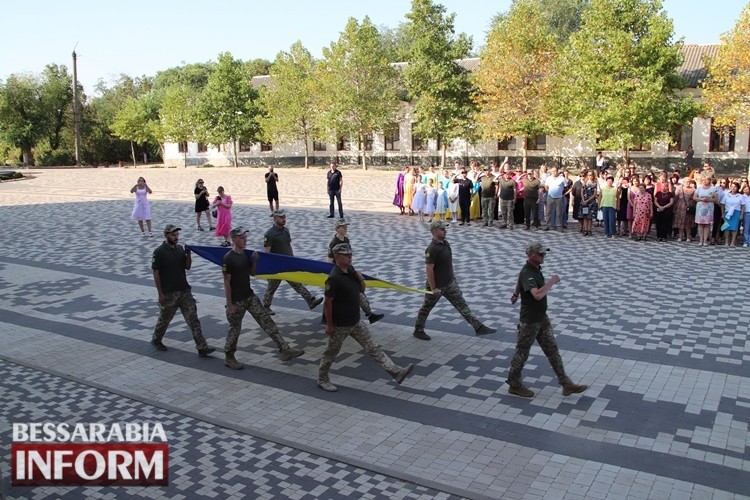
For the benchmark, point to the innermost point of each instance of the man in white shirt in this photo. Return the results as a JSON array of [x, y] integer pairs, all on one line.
[[555, 184]]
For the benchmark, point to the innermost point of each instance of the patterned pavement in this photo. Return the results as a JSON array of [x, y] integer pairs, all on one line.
[[656, 330]]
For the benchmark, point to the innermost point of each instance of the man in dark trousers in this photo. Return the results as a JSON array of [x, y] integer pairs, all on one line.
[[441, 282], [168, 264], [535, 324], [335, 185], [340, 237], [272, 190], [240, 298], [278, 240], [465, 190], [343, 287]]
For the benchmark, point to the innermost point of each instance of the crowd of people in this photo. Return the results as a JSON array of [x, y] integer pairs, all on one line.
[[623, 202]]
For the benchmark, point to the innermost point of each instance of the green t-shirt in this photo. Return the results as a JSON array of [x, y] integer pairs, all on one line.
[[532, 310]]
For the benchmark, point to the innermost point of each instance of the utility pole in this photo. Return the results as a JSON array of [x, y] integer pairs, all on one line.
[[76, 113]]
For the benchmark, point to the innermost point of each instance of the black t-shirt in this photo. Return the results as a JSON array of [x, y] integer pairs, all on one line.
[[280, 240], [335, 241], [237, 266], [170, 262], [663, 198], [334, 180], [441, 255], [271, 178], [507, 189], [489, 186], [532, 310], [464, 187], [344, 288], [531, 188]]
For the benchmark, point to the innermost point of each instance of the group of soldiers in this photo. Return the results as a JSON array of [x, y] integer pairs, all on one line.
[[344, 297]]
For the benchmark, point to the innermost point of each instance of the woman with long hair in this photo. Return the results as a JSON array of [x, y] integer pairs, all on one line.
[[223, 204], [142, 208], [202, 204], [684, 209]]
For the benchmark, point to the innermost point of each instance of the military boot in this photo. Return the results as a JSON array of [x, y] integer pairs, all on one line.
[[232, 363], [290, 352]]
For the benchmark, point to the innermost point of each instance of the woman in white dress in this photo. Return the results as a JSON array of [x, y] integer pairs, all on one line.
[[142, 208]]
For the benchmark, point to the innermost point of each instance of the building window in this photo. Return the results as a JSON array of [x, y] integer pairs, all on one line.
[[202, 148], [343, 144], [182, 147], [417, 142], [722, 138], [536, 143], [245, 147], [392, 137], [507, 144], [319, 146], [681, 138], [266, 146], [368, 142], [644, 146]]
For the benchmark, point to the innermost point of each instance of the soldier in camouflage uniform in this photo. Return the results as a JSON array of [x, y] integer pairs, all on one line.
[[168, 264], [343, 287], [278, 240], [237, 268], [535, 324], [441, 282]]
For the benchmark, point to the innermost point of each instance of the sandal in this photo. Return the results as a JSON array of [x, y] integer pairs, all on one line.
[[200, 228], [212, 228]]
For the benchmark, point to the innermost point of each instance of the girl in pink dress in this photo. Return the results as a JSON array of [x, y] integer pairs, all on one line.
[[142, 208], [223, 205], [643, 208]]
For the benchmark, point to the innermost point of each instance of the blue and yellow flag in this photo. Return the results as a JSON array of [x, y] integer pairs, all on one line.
[[273, 266]]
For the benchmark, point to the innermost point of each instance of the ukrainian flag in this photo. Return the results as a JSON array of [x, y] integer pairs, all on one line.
[[273, 266]]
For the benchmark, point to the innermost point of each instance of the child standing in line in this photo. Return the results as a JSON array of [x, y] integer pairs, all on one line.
[[441, 201], [418, 202], [430, 200], [542, 203]]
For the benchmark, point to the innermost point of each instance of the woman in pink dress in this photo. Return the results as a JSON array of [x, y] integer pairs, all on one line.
[[223, 205], [643, 208], [142, 208]]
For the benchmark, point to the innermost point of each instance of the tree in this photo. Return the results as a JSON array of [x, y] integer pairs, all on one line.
[[564, 17], [289, 104], [440, 88], [256, 67], [726, 90], [34, 108], [178, 116], [618, 77], [357, 85], [396, 42], [194, 76], [227, 108], [514, 75], [138, 122]]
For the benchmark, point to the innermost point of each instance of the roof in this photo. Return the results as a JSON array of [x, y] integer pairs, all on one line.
[[693, 68]]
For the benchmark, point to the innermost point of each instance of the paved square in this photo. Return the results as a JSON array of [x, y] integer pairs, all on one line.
[[658, 330]]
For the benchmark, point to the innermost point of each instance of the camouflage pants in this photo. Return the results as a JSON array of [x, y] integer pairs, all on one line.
[[185, 302], [488, 209], [273, 285], [364, 304], [260, 315], [506, 212], [542, 333], [453, 293], [361, 334]]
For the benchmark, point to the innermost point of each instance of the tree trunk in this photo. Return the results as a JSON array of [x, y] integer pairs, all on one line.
[[184, 164], [525, 159], [626, 155], [307, 153], [234, 147], [443, 155], [28, 156], [362, 151], [132, 153]]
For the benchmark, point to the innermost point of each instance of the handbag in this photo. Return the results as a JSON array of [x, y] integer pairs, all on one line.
[[584, 210], [690, 210], [214, 213]]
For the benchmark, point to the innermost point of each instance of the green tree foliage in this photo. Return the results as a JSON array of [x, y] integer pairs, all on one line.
[[257, 67], [289, 103], [396, 42], [357, 85], [564, 17], [618, 77], [178, 115], [137, 121], [440, 89], [228, 109], [194, 76], [34, 108], [726, 91], [514, 76]]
